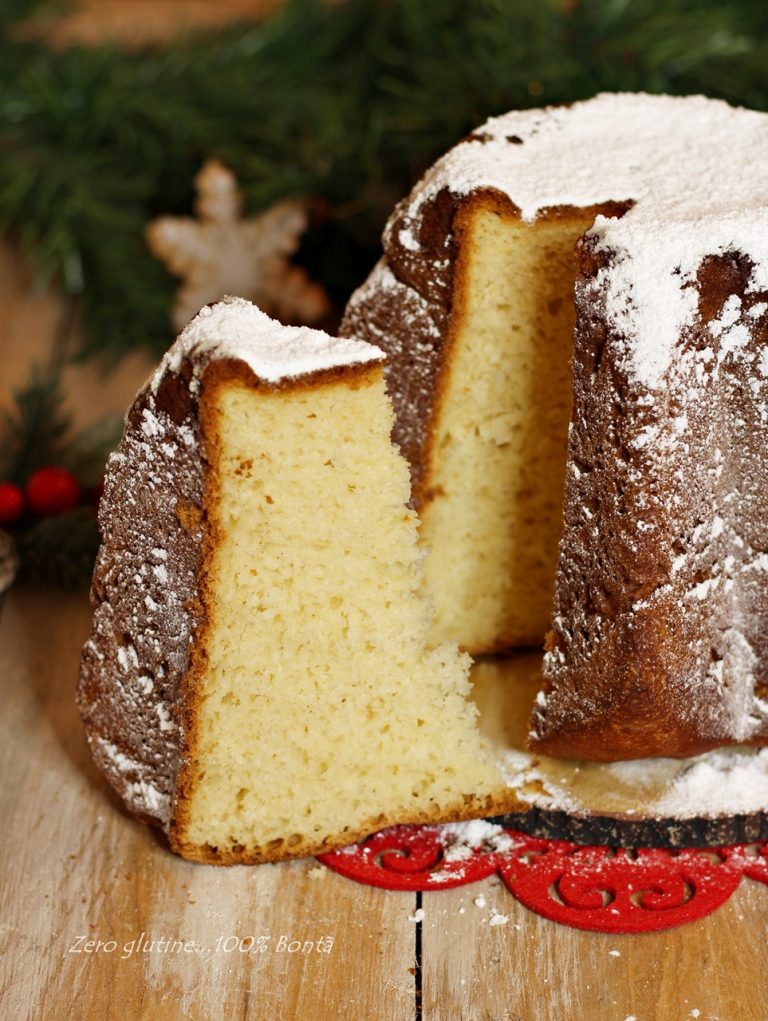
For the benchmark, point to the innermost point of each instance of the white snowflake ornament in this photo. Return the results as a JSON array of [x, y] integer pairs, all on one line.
[[220, 253]]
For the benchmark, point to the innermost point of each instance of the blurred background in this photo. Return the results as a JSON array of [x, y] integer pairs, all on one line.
[[156, 154]]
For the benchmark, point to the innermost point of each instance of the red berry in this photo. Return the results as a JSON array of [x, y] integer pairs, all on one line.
[[11, 503], [52, 490]]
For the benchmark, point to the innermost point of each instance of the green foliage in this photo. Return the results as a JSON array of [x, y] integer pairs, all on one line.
[[60, 550], [36, 432], [85, 455], [33, 430], [348, 102]]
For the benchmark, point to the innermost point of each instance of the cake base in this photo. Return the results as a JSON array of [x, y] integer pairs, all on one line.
[[720, 797]]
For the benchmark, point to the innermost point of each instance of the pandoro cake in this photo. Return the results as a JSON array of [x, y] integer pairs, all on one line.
[[573, 302], [258, 681], [573, 305]]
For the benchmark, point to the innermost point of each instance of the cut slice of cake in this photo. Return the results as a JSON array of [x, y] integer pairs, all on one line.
[[258, 680]]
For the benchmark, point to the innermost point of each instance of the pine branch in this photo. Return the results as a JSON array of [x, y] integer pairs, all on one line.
[[60, 550], [86, 454], [36, 432], [33, 431], [350, 103], [13, 11]]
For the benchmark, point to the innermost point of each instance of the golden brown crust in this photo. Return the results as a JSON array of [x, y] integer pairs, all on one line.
[[354, 375], [142, 666], [636, 679], [144, 598], [412, 307], [472, 807], [660, 638], [191, 688]]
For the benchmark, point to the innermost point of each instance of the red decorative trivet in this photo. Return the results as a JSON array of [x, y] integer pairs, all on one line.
[[597, 888]]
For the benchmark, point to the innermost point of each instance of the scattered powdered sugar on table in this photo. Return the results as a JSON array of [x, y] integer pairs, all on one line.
[[522, 773], [462, 839], [634, 772], [726, 781]]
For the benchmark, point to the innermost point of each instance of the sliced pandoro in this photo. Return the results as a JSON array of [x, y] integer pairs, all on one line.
[[574, 306], [258, 681]]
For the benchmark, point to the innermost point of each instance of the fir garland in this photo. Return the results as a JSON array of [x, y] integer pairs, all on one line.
[[348, 102], [36, 435]]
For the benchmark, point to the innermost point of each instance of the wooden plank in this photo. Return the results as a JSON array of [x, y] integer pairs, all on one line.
[[528, 969], [73, 865]]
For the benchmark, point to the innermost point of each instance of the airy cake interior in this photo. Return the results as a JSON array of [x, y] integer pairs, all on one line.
[[501, 430], [350, 724]]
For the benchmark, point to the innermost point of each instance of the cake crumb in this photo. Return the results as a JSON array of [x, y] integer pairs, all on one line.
[[317, 872], [614, 953], [497, 918], [480, 901], [417, 916]]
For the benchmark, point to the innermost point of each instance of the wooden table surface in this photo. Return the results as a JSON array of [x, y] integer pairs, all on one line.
[[76, 870], [94, 906]]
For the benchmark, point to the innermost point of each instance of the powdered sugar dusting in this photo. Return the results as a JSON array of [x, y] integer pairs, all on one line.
[[144, 590], [686, 167], [140, 793], [235, 328], [650, 297]]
